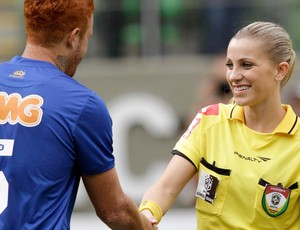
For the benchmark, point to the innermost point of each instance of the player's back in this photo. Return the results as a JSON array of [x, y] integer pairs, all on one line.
[[39, 108]]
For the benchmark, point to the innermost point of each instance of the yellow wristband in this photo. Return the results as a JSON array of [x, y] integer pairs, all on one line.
[[153, 207]]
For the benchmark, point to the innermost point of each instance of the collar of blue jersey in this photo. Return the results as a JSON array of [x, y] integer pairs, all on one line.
[[29, 62], [288, 125]]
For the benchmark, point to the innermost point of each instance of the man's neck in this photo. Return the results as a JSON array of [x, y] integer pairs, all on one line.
[[44, 54], [39, 53]]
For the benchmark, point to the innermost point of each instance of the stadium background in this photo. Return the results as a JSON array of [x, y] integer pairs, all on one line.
[[147, 59]]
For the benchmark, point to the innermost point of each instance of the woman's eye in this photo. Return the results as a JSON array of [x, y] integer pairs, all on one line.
[[229, 65], [247, 65]]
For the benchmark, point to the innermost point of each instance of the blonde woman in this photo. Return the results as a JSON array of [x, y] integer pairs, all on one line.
[[246, 153]]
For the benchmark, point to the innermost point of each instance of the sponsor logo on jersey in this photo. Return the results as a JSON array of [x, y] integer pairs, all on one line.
[[26, 111], [17, 74], [207, 185], [264, 158], [275, 200], [6, 147], [257, 159]]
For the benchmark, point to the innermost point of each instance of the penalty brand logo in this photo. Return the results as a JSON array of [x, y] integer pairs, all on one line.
[[26, 111]]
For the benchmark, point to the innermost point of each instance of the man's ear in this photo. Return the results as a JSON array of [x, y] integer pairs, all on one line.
[[282, 70], [73, 38]]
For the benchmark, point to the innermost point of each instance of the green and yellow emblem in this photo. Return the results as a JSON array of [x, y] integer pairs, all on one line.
[[275, 200]]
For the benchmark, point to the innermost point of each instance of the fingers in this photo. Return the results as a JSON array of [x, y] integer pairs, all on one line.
[[148, 215]]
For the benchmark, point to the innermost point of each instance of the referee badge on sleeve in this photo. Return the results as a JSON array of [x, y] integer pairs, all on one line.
[[275, 200], [207, 185]]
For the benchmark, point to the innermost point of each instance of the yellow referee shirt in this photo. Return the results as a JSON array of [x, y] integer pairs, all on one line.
[[247, 180]]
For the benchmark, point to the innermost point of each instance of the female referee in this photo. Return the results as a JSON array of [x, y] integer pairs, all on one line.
[[246, 153]]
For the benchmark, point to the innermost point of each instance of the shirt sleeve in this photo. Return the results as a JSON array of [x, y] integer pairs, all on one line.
[[93, 138], [189, 143], [192, 143]]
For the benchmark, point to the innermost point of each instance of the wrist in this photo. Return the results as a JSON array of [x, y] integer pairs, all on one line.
[[153, 207]]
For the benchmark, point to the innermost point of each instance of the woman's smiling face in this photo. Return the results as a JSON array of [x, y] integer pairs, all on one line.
[[250, 72]]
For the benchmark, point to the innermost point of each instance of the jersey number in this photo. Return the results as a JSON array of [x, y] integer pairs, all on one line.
[[6, 147], [3, 192]]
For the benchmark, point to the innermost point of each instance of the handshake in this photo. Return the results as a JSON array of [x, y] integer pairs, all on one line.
[[152, 211]]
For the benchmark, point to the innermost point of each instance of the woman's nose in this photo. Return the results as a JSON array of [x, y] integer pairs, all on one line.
[[234, 75]]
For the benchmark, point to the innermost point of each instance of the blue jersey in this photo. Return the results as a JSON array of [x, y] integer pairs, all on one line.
[[52, 130]]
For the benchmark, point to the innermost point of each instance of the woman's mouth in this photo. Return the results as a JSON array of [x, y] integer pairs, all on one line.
[[241, 88]]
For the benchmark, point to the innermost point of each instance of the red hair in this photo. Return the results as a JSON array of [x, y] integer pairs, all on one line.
[[48, 21]]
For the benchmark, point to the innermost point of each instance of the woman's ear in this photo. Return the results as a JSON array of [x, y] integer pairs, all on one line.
[[282, 70]]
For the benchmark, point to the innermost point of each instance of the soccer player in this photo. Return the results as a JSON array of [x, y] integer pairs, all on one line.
[[246, 153], [53, 130]]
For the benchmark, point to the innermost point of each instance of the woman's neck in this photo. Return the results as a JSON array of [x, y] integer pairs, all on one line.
[[264, 119]]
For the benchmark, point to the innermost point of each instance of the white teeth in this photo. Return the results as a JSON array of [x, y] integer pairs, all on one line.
[[241, 88]]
